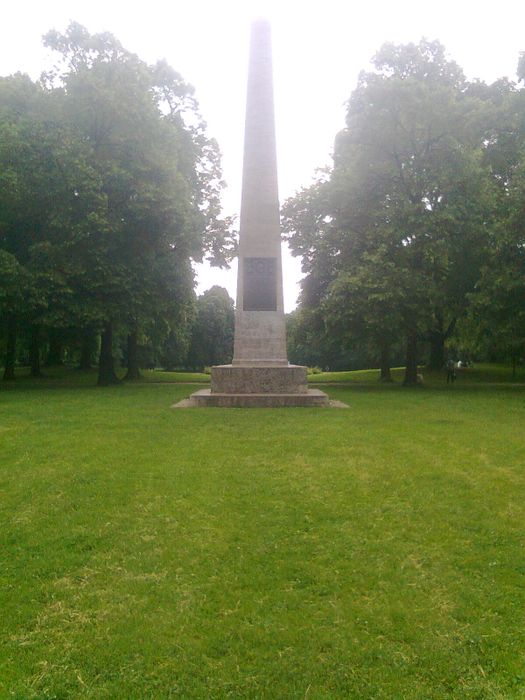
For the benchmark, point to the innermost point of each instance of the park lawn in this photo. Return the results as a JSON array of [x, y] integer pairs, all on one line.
[[483, 373], [368, 552], [69, 377]]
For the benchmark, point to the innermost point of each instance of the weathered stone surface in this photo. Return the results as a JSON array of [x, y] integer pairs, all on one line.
[[234, 379], [205, 398], [260, 338], [240, 400]]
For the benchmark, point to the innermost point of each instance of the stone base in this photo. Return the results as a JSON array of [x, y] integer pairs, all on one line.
[[206, 397], [246, 386], [247, 379]]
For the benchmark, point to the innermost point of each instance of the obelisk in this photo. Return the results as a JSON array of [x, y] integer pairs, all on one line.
[[260, 334], [260, 374]]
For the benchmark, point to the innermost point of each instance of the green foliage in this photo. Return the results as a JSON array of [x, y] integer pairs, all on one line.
[[497, 319], [175, 344], [48, 192], [146, 164], [212, 330], [310, 344], [15, 283], [394, 238], [109, 186]]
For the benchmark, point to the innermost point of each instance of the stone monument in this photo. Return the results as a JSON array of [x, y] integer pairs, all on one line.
[[260, 374]]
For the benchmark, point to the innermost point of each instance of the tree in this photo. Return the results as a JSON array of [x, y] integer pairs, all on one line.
[[12, 291], [47, 193], [213, 328], [160, 176], [363, 303], [404, 211], [498, 300]]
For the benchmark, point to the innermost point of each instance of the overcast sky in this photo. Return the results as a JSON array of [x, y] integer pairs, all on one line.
[[319, 48]]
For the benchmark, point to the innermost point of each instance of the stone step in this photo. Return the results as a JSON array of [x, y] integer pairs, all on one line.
[[205, 398]]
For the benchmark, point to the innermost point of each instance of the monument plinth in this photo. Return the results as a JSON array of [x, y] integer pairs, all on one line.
[[259, 374]]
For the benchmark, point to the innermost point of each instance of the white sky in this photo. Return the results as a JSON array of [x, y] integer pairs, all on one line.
[[319, 48]]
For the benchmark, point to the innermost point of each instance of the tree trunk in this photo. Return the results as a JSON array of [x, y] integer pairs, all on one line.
[[34, 352], [411, 360], [10, 352], [437, 337], [133, 357], [385, 375], [86, 349], [437, 351], [54, 356], [106, 365]]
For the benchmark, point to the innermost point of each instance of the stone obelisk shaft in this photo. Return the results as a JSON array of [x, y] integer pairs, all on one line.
[[260, 336], [259, 375]]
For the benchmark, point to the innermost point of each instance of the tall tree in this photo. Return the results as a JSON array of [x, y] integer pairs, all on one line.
[[498, 311], [407, 202], [47, 193], [160, 176]]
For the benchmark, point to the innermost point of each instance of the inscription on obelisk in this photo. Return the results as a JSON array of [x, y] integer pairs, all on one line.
[[260, 284]]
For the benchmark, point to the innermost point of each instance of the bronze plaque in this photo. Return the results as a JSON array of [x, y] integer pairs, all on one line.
[[260, 284]]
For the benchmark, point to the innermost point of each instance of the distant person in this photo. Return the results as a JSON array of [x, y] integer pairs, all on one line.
[[451, 371]]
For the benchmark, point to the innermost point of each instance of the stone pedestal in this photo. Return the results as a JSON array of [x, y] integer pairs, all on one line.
[[243, 379], [313, 397], [242, 386]]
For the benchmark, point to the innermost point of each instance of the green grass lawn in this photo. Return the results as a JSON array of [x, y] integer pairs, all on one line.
[[372, 552], [479, 373], [68, 377]]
